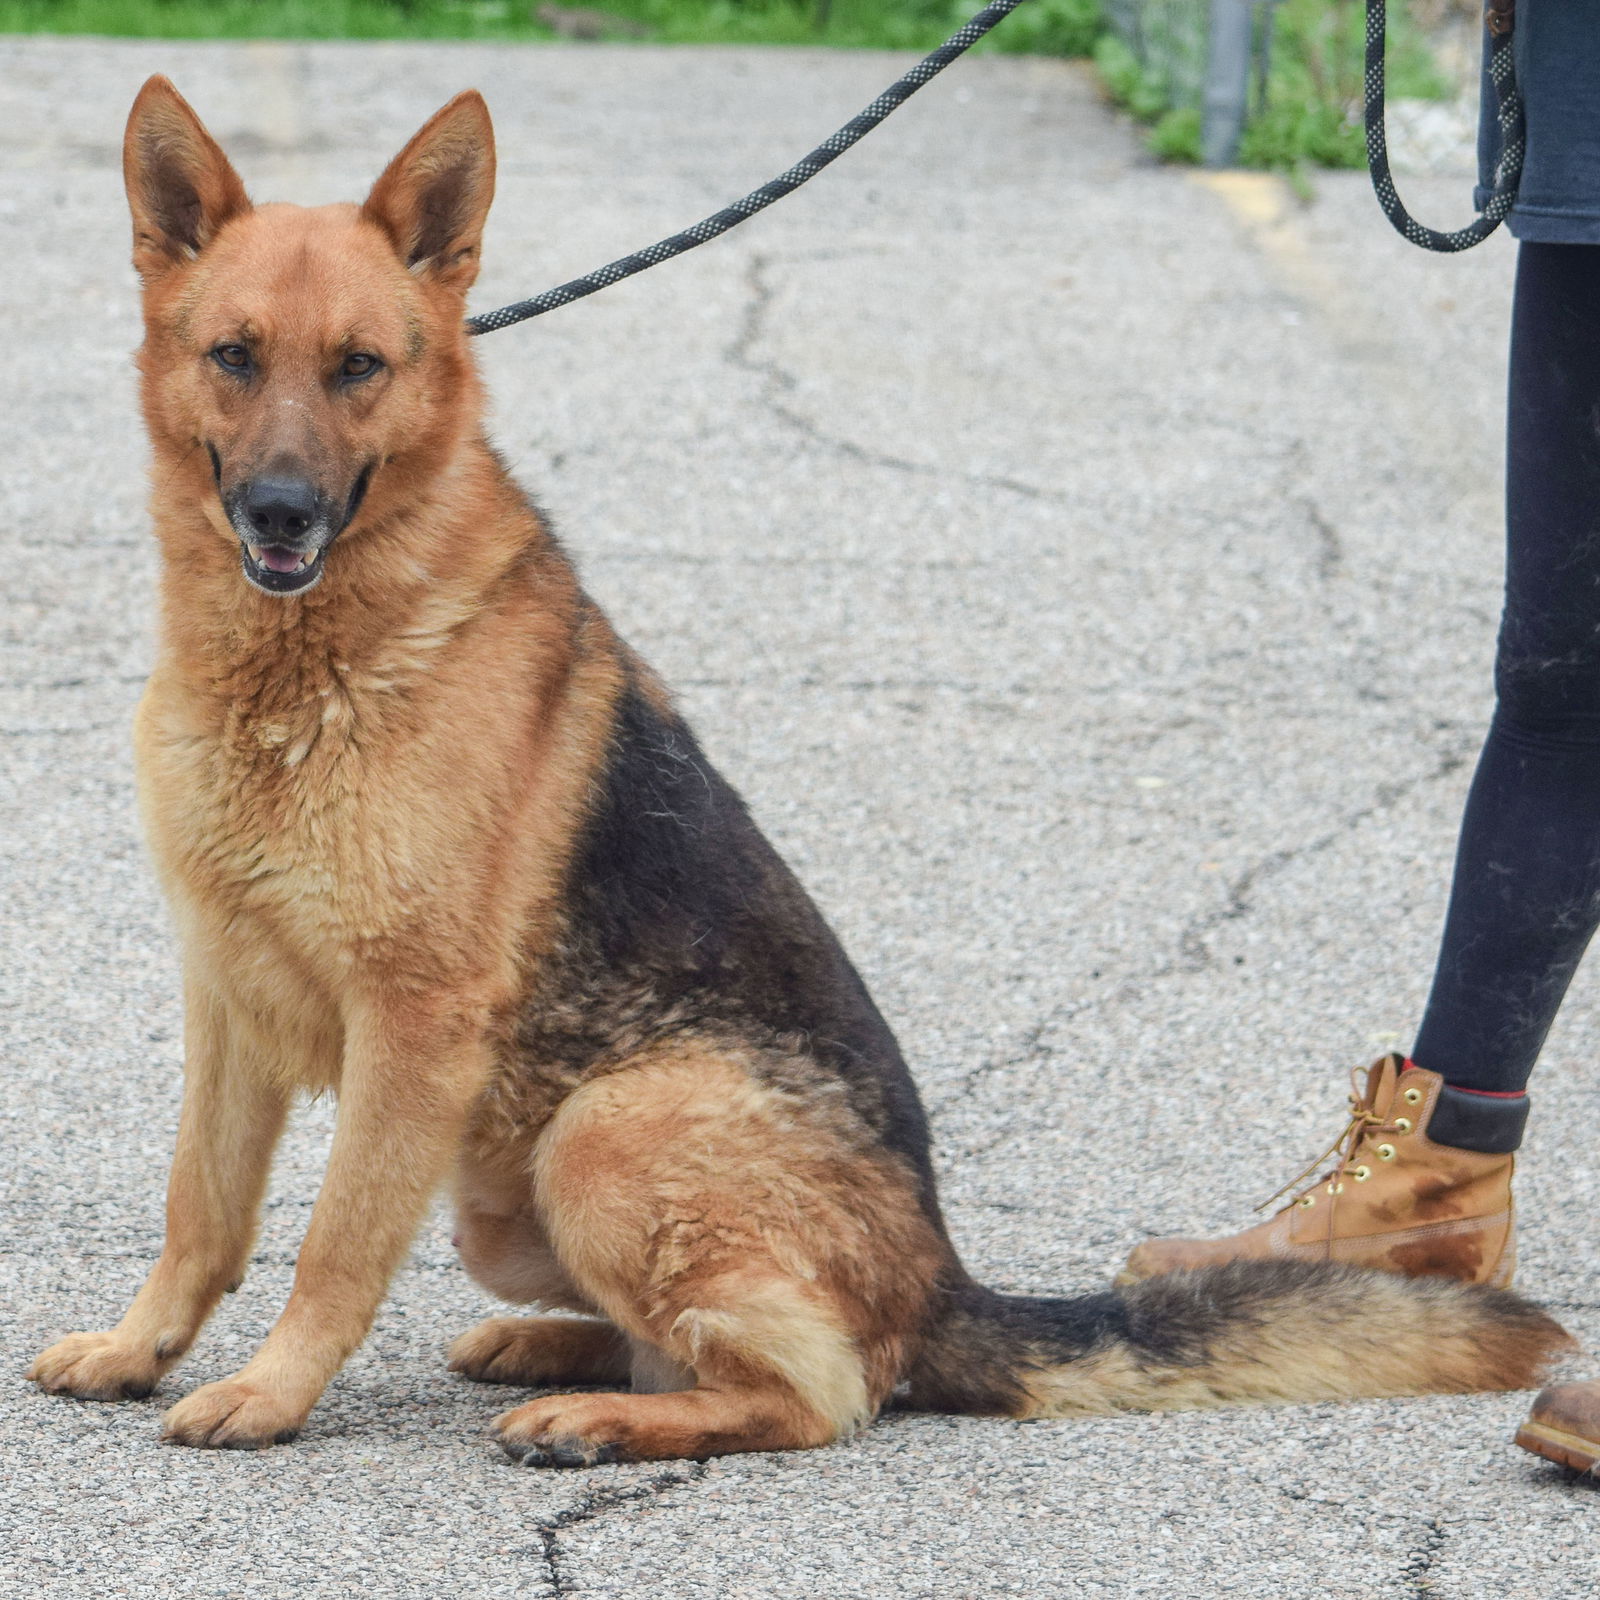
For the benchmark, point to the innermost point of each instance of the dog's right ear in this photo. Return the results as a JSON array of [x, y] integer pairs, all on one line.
[[181, 188]]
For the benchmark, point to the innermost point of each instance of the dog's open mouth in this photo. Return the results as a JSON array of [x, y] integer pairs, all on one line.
[[281, 570]]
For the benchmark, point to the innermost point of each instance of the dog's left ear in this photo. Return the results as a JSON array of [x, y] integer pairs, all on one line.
[[434, 196]]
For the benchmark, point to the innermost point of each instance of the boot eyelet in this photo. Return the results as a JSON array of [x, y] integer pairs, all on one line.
[[1335, 1188], [1306, 1200], [1412, 1097], [1403, 1124], [1386, 1152], [1361, 1174]]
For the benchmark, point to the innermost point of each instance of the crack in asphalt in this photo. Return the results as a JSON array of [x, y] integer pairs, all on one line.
[[1418, 1567], [1215, 699], [1193, 952], [96, 682], [599, 1503], [1330, 548], [885, 564], [1196, 955], [54, 548], [1297, 466], [811, 680], [777, 381]]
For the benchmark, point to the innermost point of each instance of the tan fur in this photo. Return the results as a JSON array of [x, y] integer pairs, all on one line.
[[368, 804], [727, 1224], [537, 1351]]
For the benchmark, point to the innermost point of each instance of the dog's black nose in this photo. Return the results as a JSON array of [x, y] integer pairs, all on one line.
[[280, 508]]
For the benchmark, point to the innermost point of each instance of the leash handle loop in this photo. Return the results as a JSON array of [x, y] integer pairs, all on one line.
[[1499, 18]]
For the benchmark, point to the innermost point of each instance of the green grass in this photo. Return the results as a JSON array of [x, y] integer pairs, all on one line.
[[1314, 102], [1312, 110], [1311, 114], [1045, 26]]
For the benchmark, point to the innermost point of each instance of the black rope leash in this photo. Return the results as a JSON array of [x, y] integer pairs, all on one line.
[[1499, 18], [1508, 171], [802, 171]]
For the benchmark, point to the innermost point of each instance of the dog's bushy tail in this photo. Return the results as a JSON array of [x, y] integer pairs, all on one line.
[[1251, 1331]]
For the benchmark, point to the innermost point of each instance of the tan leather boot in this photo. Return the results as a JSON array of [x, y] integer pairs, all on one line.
[[1565, 1426], [1394, 1199]]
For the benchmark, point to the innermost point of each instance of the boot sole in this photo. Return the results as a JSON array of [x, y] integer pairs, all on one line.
[[1565, 1449]]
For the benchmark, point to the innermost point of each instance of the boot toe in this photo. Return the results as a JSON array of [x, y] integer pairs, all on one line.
[[1564, 1426], [1157, 1256]]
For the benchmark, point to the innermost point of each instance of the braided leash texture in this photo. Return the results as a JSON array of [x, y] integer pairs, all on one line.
[[1508, 171], [1508, 111], [801, 172]]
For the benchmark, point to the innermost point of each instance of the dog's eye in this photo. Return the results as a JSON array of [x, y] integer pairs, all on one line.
[[232, 357], [358, 364]]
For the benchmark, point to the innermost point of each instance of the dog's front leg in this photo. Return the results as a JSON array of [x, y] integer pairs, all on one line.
[[233, 1112], [410, 1076]]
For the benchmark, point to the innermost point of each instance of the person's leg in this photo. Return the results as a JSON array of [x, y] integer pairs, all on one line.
[[1526, 894], [1484, 1031]]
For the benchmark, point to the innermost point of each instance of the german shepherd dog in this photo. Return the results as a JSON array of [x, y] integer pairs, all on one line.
[[437, 840]]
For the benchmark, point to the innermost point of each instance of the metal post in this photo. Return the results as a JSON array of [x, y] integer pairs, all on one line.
[[1227, 94]]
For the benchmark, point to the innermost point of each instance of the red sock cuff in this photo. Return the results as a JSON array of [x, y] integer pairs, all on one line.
[[1487, 1094]]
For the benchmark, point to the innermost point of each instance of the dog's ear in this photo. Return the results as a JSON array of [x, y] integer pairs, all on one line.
[[181, 188], [434, 196]]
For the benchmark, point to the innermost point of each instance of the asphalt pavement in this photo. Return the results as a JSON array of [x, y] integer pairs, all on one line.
[[1088, 571]]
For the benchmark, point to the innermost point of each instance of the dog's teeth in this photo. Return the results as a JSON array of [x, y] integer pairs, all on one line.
[[255, 553]]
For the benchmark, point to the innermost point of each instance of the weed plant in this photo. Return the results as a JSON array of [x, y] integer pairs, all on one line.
[[1310, 110]]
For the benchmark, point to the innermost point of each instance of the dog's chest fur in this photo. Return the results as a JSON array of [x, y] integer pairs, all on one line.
[[332, 822], [290, 812]]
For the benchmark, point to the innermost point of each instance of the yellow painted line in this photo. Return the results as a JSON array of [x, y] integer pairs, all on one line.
[[1257, 198], [1265, 207]]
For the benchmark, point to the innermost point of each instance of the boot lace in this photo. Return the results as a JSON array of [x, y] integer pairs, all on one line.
[[1363, 1125]]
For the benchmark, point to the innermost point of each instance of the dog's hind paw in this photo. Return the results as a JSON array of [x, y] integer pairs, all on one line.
[[536, 1351], [97, 1366]]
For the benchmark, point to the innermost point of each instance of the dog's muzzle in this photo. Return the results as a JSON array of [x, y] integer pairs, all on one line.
[[285, 527]]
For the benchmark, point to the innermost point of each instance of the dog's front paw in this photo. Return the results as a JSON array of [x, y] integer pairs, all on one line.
[[97, 1366], [231, 1415]]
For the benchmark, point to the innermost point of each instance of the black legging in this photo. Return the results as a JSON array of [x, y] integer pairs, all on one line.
[[1526, 894]]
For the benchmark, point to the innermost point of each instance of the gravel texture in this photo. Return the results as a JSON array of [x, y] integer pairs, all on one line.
[[1087, 570]]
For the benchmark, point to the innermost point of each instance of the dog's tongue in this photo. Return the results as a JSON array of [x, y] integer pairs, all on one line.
[[277, 558]]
